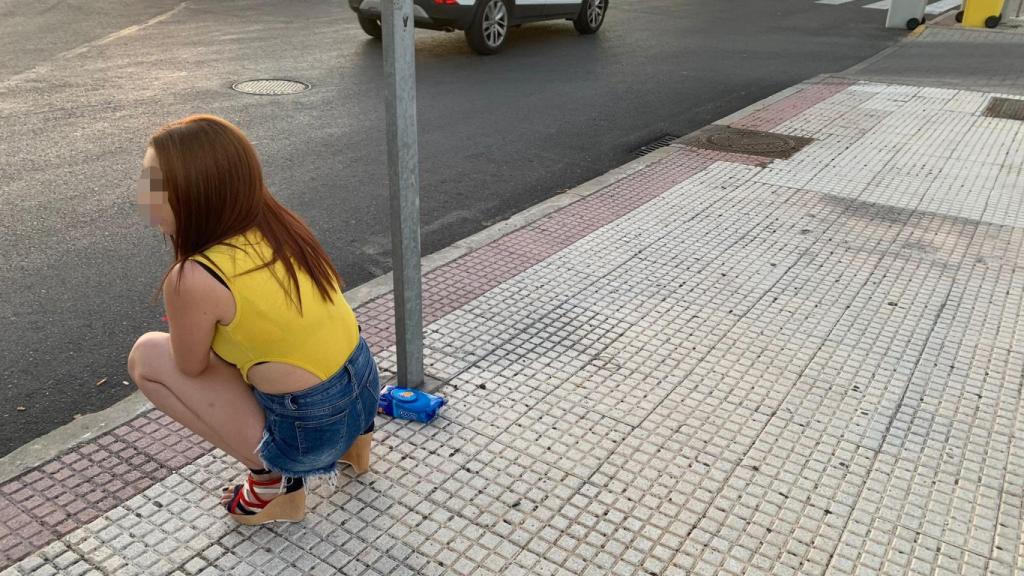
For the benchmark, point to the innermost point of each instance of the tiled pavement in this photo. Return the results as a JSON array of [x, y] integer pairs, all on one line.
[[716, 365]]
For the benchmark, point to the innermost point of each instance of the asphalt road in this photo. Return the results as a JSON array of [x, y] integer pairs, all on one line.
[[84, 82]]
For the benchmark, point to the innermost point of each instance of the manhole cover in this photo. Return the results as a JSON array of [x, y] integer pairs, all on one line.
[[751, 142], [270, 87], [1007, 108], [759, 144]]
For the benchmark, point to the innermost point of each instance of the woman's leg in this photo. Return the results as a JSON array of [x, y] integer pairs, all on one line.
[[216, 405]]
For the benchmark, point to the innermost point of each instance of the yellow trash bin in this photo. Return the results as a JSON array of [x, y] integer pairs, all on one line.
[[978, 13]]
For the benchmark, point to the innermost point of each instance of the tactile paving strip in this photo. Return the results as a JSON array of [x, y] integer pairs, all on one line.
[[948, 468], [808, 466], [694, 450]]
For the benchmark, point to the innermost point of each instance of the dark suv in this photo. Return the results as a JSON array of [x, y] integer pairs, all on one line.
[[487, 22]]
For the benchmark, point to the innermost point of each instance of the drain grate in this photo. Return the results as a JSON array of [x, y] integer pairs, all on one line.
[[750, 142], [1006, 108], [661, 142], [270, 87]]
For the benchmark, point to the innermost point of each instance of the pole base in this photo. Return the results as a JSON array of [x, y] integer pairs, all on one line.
[[430, 385]]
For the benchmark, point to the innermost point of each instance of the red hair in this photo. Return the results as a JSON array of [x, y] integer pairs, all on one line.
[[215, 188]]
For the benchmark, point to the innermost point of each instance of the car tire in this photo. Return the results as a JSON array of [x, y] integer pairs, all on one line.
[[991, 21], [488, 32], [913, 23], [960, 16], [371, 26], [591, 16]]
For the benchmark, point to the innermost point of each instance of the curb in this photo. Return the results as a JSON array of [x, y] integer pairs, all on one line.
[[913, 35], [936, 22], [70, 435], [862, 65]]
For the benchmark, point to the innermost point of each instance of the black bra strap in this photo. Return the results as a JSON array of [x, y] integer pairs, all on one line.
[[212, 273]]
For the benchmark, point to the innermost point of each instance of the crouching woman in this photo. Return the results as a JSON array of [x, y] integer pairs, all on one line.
[[263, 357]]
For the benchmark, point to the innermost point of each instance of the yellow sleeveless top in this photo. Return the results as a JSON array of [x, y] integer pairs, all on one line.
[[268, 326]]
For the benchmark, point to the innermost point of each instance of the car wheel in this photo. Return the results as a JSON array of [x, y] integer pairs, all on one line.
[[371, 26], [489, 30], [913, 23], [960, 16], [591, 16], [991, 21]]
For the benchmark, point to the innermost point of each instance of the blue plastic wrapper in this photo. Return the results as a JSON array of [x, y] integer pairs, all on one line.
[[409, 404]]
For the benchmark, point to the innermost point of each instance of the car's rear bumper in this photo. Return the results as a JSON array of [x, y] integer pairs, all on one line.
[[427, 13]]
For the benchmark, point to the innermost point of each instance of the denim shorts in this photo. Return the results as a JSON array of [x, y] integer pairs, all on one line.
[[307, 431]]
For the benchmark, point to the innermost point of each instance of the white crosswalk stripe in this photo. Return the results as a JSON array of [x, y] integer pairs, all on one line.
[[933, 9], [942, 6]]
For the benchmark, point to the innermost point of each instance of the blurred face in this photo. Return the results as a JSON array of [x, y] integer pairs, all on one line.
[[152, 196]]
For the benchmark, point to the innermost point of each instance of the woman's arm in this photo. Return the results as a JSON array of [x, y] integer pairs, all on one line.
[[192, 315]]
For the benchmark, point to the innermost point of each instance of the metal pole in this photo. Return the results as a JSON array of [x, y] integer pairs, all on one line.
[[403, 181]]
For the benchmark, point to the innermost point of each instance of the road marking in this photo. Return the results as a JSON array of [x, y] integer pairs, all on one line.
[[942, 6], [124, 32], [46, 66], [933, 9]]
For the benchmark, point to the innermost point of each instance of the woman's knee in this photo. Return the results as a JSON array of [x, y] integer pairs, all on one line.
[[144, 355]]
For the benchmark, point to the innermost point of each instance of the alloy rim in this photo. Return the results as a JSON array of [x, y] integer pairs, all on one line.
[[595, 13], [495, 23]]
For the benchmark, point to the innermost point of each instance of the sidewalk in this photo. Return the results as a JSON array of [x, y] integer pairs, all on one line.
[[713, 363]]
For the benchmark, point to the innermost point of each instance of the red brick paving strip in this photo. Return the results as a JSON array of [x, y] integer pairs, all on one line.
[[79, 486], [786, 109]]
